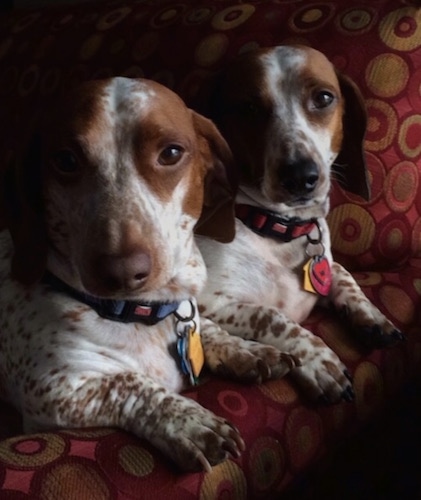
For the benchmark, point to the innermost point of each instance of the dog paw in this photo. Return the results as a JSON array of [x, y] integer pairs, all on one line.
[[195, 438], [374, 337], [248, 361], [324, 379], [374, 330]]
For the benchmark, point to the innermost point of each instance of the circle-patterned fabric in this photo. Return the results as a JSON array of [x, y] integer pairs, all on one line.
[[182, 44]]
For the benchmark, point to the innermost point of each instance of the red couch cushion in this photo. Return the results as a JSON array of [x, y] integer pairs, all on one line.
[[378, 44]]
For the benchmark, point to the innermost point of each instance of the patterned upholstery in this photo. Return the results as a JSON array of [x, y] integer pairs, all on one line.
[[181, 43]]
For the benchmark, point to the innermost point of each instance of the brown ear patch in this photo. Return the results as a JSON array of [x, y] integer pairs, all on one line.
[[352, 168], [217, 219]]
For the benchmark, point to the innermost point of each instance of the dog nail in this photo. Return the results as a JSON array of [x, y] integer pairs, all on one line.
[[348, 394], [398, 335]]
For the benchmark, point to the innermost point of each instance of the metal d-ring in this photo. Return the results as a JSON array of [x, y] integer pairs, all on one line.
[[315, 254], [316, 241], [185, 319]]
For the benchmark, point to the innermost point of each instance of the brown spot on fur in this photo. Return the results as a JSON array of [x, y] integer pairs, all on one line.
[[260, 325], [294, 332], [74, 315], [253, 320], [278, 329], [316, 341], [330, 367]]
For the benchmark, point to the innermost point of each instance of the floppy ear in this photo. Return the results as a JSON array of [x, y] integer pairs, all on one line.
[[217, 219], [352, 171], [21, 203]]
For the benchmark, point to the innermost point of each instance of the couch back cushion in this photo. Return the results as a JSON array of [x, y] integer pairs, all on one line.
[[181, 44]]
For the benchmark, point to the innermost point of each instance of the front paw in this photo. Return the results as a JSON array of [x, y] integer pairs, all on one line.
[[323, 378], [195, 438], [374, 330], [249, 361], [374, 337]]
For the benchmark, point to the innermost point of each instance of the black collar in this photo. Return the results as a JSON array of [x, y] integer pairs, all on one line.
[[125, 311], [271, 224]]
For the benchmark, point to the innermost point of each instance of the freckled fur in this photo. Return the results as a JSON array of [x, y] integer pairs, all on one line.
[[61, 364], [264, 277]]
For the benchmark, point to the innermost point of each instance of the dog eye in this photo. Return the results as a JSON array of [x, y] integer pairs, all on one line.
[[323, 99], [247, 108], [171, 155], [66, 161]]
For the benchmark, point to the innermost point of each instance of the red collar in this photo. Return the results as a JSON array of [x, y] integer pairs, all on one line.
[[271, 224]]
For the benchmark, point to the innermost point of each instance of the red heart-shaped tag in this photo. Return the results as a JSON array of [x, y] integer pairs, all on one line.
[[320, 275]]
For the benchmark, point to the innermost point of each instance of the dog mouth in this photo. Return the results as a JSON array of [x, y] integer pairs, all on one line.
[[284, 197], [113, 289], [301, 201]]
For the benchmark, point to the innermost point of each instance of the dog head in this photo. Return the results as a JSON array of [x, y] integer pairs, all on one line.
[[111, 189], [289, 117]]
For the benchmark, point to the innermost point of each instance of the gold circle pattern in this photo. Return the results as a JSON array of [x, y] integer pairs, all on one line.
[[401, 186], [211, 49], [409, 136], [135, 460], [280, 391], [401, 31], [182, 43], [356, 21], [268, 457], [303, 434], [387, 75], [74, 482], [356, 229], [310, 18], [227, 477], [382, 125], [232, 17], [112, 18], [398, 303], [38, 451]]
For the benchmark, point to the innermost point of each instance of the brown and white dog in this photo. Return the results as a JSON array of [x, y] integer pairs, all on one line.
[[287, 114], [99, 270]]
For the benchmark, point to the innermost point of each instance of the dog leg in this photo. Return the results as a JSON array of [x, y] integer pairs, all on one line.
[[322, 376], [192, 436], [243, 360], [373, 329]]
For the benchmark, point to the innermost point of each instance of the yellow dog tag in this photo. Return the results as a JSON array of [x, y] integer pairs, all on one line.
[[308, 287], [195, 352]]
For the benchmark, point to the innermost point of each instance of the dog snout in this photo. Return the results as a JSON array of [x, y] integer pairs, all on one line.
[[300, 177], [124, 272]]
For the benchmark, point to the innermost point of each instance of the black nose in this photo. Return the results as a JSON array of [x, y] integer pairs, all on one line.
[[299, 177]]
